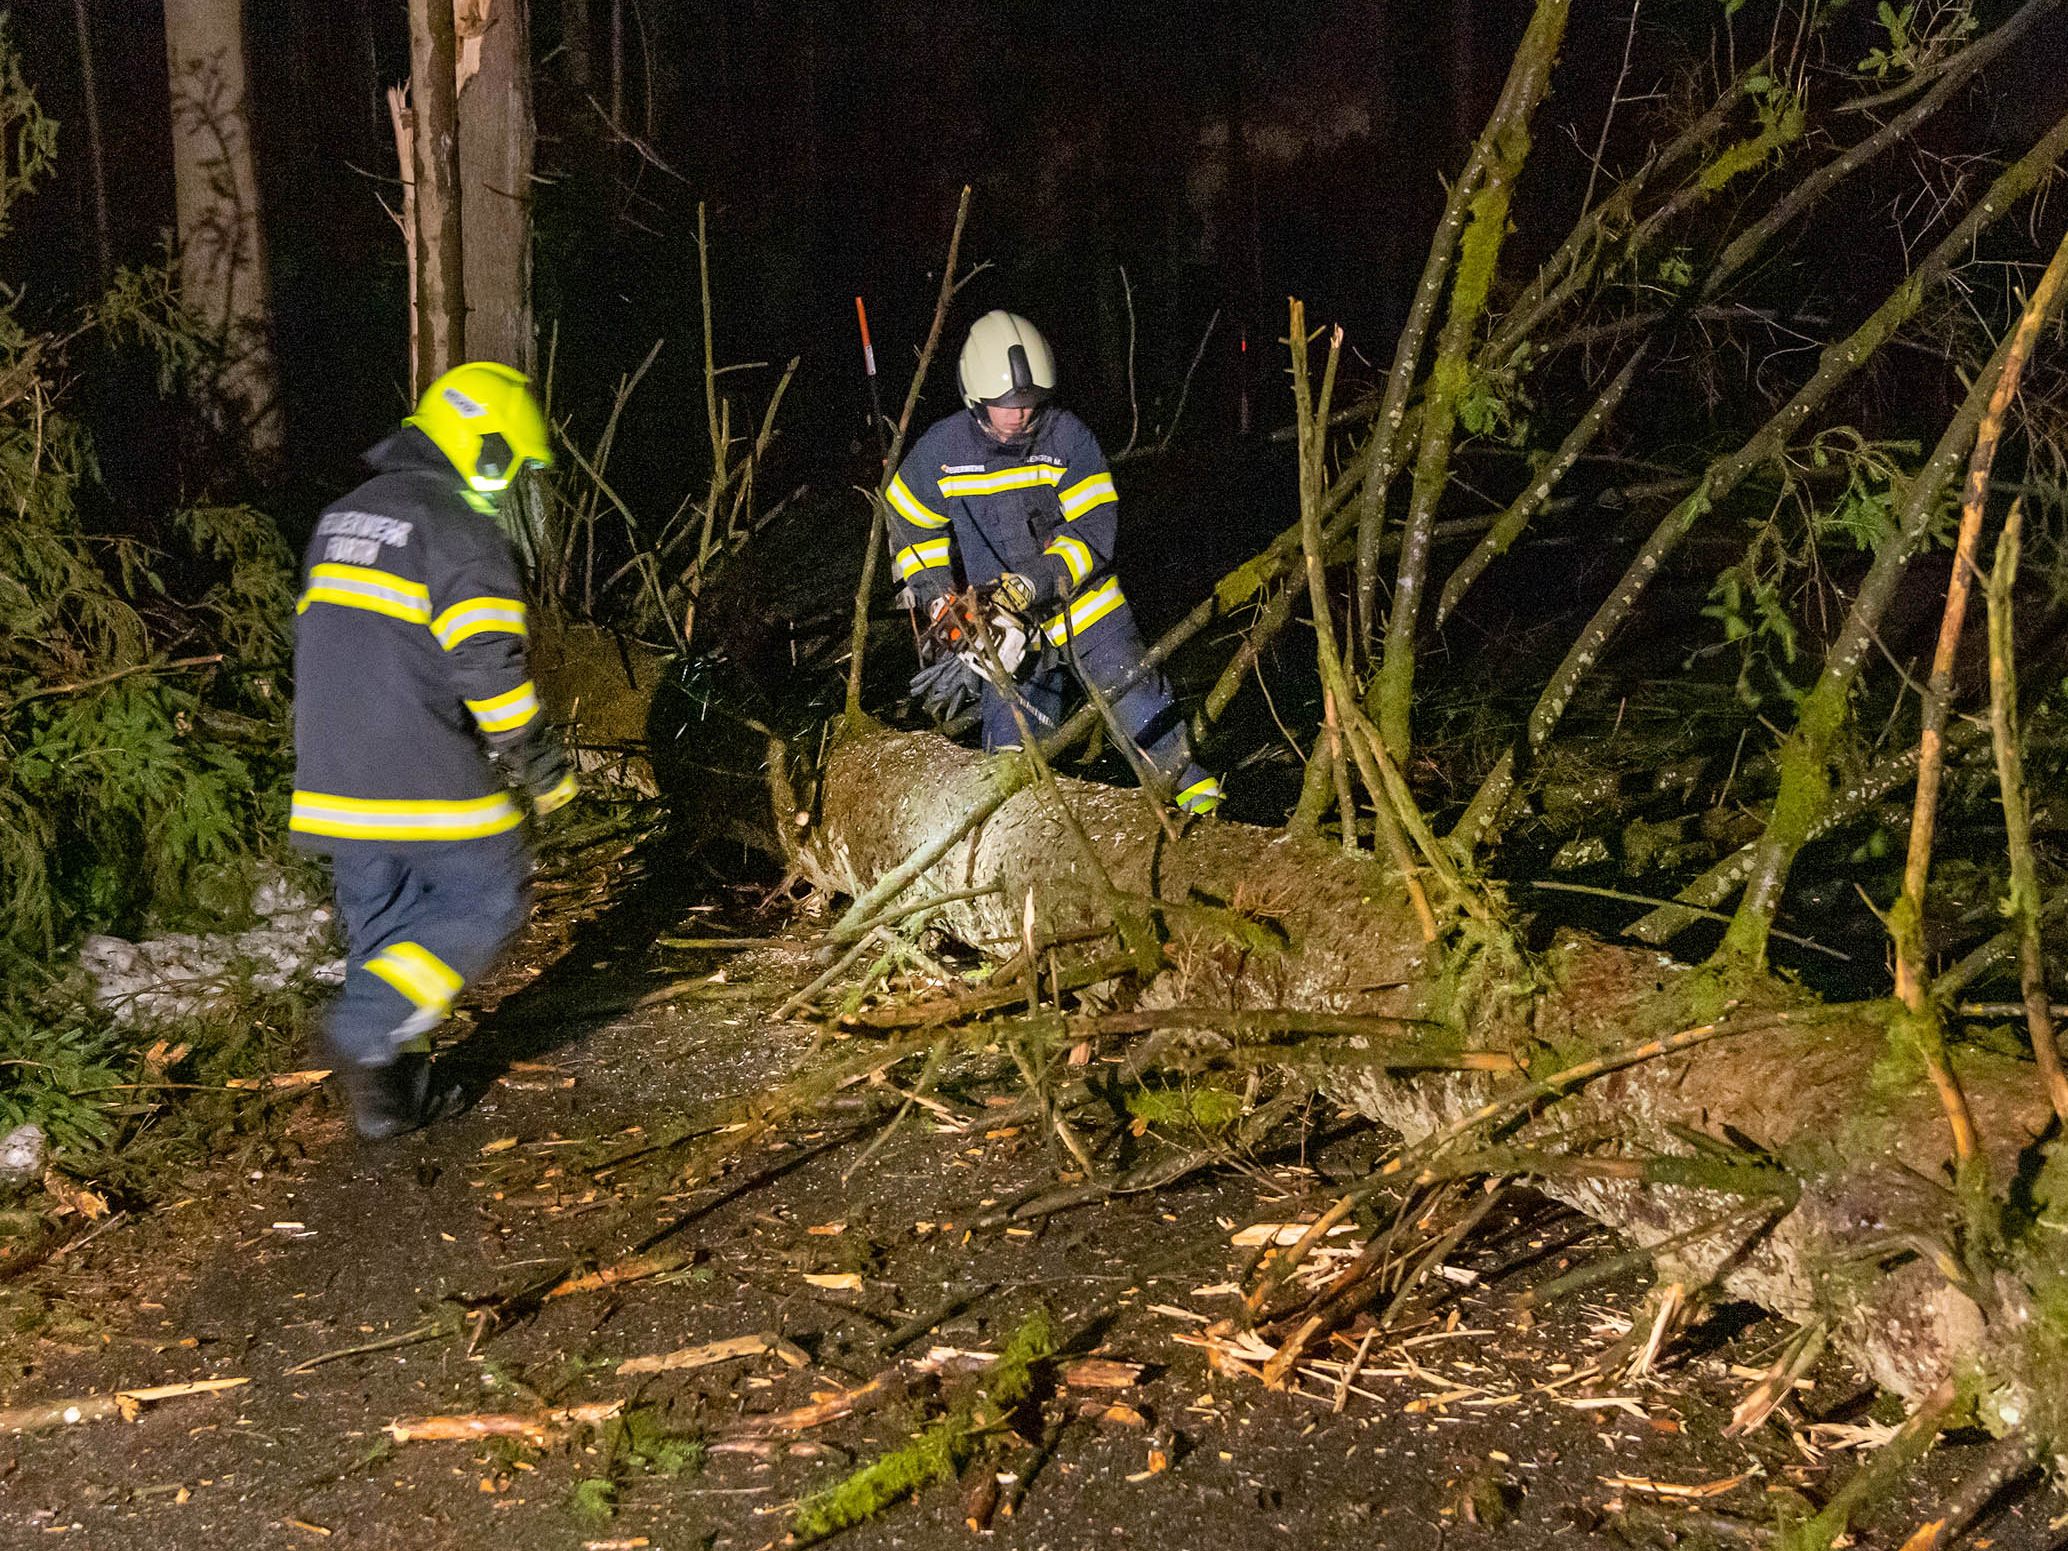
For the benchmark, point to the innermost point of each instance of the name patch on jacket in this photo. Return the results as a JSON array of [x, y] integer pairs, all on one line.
[[355, 538]]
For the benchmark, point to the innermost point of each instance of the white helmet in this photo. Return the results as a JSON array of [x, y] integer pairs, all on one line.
[[1005, 361]]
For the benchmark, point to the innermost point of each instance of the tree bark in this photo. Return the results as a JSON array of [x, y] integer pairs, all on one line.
[[96, 158], [496, 141], [578, 39], [1795, 1086], [402, 119], [617, 64], [222, 255], [441, 336], [1500, 152]]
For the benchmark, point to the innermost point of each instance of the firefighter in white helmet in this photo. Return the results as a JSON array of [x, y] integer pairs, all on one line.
[[1011, 501]]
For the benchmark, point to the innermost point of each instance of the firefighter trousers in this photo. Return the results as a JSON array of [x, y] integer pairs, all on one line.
[[1106, 654], [421, 921]]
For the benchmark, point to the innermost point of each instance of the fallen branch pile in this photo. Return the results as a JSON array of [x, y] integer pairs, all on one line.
[[1740, 1133]]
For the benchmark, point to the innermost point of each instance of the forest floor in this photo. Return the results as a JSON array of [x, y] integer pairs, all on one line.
[[1461, 1426]]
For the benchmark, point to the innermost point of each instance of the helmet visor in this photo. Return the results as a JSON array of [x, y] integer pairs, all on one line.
[[1020, 398]]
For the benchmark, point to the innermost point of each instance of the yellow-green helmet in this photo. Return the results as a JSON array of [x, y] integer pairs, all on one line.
[[483, 418]]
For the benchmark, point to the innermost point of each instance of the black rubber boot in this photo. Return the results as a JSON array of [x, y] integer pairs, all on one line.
[[397, 1098]]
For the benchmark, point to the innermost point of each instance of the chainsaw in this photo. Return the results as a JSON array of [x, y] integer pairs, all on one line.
[[954, 663]]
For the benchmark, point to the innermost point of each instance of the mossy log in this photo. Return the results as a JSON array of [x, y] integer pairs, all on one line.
[[1870, 1243]]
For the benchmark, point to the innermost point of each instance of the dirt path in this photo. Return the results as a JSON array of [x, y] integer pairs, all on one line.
[[1460, 1429]]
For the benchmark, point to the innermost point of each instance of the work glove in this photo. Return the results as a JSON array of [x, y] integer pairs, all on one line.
[[1015, 591], [536, 763], [944, 687], [557, 796]]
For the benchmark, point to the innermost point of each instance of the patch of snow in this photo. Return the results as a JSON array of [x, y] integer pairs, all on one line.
[[23, 1152], [180, 974]]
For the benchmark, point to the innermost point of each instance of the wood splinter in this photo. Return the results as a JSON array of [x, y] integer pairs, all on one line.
[[711, 1353], [122, 1403], [537, 1427]]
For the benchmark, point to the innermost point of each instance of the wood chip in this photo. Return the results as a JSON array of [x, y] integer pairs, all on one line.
[[281, 1082], [1114, 1414], [835, 1281], [1102, 1373], [1159, 1461], [1447, 1397], [163, 1056], [1851, 1435], [1628, 1403]]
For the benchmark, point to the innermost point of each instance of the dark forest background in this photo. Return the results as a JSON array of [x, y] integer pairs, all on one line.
[[1139, 171], [830, 141]]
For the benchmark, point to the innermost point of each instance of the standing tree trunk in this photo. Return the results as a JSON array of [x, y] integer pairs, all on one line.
[[617, 64], [441, 339], [402, 118], [222, 256], [578, 41], [96, 159], [496, 139]]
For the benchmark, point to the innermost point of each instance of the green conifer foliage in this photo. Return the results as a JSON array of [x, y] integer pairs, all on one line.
[[143, 714]]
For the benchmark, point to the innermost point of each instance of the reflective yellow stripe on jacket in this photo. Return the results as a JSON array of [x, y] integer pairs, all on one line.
[[1201, 796], [1074, 553], [1023, 476], [1086, 494], [479, 616], [910, 508], [506, 712], [1084, 612], [362, 587], [382, 818], [929, 555]]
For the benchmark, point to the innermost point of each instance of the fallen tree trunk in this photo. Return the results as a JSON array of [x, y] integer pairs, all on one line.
[[1870, 1242]]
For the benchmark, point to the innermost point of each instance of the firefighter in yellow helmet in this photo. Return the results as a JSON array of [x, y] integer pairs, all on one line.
[[415, 716]]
